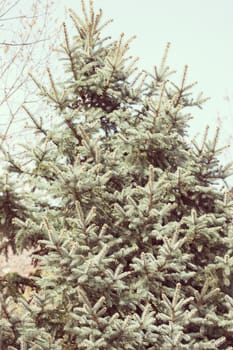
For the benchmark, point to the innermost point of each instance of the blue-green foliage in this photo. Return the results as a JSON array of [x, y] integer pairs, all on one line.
[[133, 240]]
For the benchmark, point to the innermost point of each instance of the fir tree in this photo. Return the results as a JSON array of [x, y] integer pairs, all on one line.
[[132, 237], [11, 207]]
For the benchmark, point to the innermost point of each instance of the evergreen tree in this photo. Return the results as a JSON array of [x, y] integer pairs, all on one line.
[[133, 239], [12, 206]]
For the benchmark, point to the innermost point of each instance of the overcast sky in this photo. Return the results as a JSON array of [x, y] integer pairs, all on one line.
[[201, 35]]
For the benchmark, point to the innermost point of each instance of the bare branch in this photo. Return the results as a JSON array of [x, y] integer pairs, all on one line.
[[24, 44]]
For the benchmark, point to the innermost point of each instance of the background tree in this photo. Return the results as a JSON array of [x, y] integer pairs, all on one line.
[[133, 238], [29, 34]]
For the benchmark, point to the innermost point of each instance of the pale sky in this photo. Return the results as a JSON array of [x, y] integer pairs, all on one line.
[[201, 35]]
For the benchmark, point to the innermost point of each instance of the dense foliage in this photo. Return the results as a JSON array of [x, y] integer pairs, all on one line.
[[132, 237]]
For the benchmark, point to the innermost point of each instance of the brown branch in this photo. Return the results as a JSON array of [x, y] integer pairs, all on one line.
[[24, 44]]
